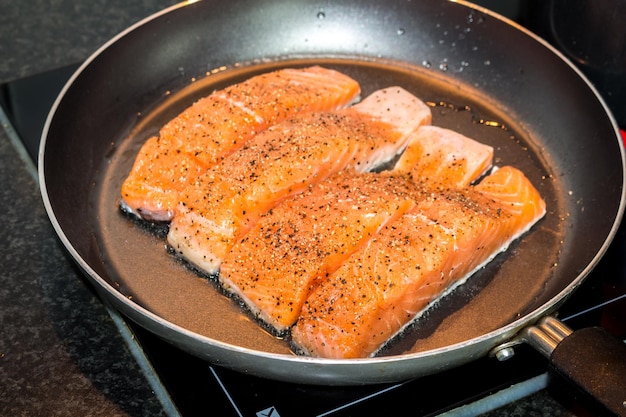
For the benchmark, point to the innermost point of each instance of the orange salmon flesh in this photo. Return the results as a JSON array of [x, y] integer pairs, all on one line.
[[382, 287], [274, 267], [336, 223], [284, 160], [217, 125]]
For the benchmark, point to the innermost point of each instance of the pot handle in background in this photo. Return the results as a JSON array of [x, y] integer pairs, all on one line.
[[591, 359]]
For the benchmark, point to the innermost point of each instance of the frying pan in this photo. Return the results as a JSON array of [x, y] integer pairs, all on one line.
[[481, 74]]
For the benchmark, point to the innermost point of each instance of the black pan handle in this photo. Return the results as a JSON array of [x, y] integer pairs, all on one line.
[[592, 359]]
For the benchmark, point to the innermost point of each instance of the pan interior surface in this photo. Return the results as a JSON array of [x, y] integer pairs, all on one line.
[[138, 264]]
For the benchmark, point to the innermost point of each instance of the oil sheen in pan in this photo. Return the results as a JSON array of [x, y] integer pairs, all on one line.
[[139, 265]]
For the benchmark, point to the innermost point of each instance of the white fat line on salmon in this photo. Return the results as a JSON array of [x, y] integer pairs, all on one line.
[[240, 105]]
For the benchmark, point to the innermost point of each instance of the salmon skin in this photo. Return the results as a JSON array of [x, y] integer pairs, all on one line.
[[217, 125], [412, 262], [275, 266], [226, 201]]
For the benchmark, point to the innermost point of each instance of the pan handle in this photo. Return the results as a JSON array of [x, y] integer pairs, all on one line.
[[591, 359]]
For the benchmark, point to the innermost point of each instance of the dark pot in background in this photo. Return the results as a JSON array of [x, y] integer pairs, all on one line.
[[592, 34]]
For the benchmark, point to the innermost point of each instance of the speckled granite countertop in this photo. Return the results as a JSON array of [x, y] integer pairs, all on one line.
[[41, 35], [62, 352]]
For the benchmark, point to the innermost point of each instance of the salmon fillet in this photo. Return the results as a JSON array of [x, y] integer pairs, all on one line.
[[274, 267], [442, 158], [413, 261], [217, 125], [229, 199], [300, 242]]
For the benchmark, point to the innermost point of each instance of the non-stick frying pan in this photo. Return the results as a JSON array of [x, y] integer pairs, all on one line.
[[482, 75]]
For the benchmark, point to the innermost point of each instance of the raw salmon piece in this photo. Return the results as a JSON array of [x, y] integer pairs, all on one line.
[[274, 266], [216, 125], [221, 123], [157, 176], [229, 199], [487, 217], [300, 242], [413, 261], [525, 204], [443, 158], [376, 291]]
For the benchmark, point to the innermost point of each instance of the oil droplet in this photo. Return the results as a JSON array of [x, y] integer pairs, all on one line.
[[443, 66], [219, 69], [464, 64], [446, 107], [401, 31], [427, 64], [487, 62], [490, 123]]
